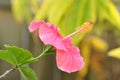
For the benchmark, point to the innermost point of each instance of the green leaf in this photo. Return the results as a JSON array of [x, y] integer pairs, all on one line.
[[35, 5], [28, 73], [87, 12], [5, 55], [43, 10], [68, 23], [80, 12], [58, 9], [21, 11], [16, 9], [114, 53], [20, 55], [109, 10]]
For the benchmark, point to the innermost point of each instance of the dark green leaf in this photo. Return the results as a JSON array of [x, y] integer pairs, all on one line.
[[27, 73], [5, 55], [21, 56]]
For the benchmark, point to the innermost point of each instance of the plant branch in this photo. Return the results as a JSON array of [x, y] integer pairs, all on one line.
[[7, 72], [43, 53]]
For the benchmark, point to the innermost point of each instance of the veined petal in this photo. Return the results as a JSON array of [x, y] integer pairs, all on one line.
[[49, 34], [69, 60], [34, 25]]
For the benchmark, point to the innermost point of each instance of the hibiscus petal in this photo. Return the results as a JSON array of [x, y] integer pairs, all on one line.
[[35, 25], [69, 60], [49, 34]]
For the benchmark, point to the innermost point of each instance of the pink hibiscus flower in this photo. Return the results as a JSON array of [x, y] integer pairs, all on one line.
[[67, 56], [48, 33]]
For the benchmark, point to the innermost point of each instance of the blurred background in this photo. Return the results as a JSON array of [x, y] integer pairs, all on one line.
[[100, 46]]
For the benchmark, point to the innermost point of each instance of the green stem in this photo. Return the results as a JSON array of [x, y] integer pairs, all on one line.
[[38, 57], [43, 53]]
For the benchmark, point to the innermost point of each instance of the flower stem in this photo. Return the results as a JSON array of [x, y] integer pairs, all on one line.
[[43, 53], [38, 57]]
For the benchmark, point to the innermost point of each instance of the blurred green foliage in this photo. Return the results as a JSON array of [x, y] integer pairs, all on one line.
[[70, 15], [67, 14]]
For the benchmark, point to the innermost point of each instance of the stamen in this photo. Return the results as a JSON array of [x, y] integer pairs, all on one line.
[[85, 26]]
